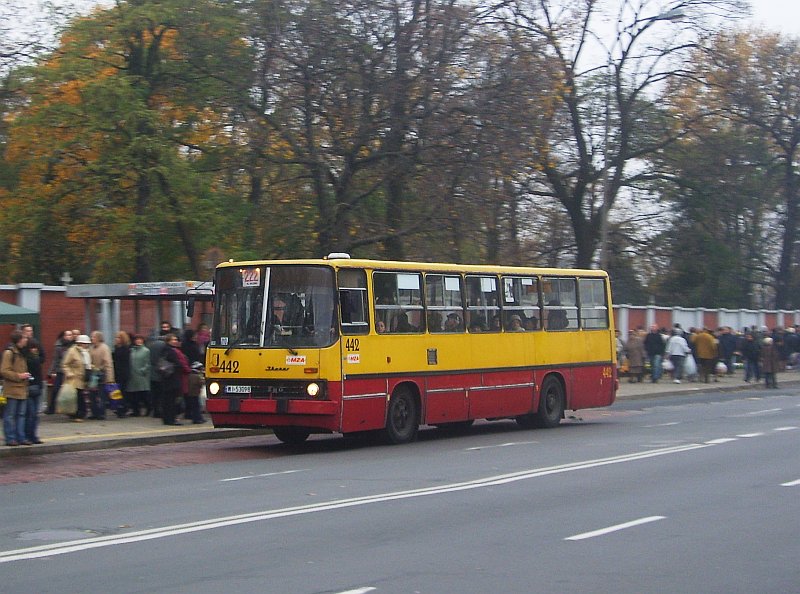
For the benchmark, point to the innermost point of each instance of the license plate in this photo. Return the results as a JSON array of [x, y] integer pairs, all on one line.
[[238, 389]]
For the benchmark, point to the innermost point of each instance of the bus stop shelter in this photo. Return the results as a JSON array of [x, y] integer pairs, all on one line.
[[106, 304]]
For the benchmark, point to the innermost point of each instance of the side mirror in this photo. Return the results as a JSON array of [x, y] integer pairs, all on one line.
[[190, 307]]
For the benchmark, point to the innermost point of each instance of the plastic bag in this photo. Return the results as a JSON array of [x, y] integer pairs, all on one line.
[[689, 366], [721, 368], [67, 400], [667, 365]]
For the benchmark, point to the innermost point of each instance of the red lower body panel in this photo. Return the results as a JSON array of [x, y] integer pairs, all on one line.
[[443, 399]]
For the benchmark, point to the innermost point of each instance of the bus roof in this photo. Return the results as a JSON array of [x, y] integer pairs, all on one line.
[[344, 262]]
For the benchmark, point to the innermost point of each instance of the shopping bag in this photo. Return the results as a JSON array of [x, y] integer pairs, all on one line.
[[114, 395], [67, 400], [689, 366]]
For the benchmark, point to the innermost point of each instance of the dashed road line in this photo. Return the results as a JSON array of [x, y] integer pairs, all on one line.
[[764, 412], [500, 445], [616, 528], [253, 476]]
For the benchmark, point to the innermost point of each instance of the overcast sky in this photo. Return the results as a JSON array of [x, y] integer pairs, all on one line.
[[781, 15]]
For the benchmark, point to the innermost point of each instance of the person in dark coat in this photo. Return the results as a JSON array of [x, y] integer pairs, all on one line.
[[751, 352], [654, 348], [191, 348], [66, 339], [176, 384], [194, 355], [157, 346], [121, 356]]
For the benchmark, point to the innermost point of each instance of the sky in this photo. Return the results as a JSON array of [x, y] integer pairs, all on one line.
[[777, 15]]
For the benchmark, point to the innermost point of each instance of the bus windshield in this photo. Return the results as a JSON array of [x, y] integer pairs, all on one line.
[[282, 306]]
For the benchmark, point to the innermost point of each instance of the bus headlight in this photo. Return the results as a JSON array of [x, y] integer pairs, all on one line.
[[213, 388], [312, 389]]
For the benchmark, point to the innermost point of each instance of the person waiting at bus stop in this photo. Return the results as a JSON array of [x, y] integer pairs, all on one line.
[[102, 374], [654, 347], [77, 366], [176, 384], [677, 348], [14, 370]]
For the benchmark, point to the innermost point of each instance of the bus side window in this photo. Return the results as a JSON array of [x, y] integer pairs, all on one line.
[[443, 301], [353, 301], [398, 301], [561, 303]]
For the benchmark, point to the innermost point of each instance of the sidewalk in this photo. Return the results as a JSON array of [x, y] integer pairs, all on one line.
[[60, 434]]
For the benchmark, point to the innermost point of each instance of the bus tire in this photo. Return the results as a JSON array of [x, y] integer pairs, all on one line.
[[402, 418], [551, 404], [291, 435]]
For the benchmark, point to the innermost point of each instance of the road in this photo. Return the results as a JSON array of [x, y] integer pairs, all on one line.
[[692, 494]]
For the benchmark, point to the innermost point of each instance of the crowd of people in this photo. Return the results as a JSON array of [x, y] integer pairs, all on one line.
[[158, 376], [703, 355]]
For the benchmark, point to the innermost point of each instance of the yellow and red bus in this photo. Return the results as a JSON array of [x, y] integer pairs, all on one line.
[[341, 345]]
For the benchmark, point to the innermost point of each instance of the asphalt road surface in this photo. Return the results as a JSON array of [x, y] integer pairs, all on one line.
[[686, 494]]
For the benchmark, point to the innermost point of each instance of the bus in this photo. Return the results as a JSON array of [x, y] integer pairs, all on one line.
[[343, 345]]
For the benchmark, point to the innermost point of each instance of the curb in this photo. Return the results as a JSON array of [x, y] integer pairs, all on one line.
[[126, 442], [702, 388]]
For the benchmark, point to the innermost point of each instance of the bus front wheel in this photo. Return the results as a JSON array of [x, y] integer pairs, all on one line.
[[402, 419], [291, 435]]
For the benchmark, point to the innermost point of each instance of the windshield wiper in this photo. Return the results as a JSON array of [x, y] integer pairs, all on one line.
[[233, 344]]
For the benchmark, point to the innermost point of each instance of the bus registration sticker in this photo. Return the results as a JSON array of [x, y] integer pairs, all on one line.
[[353, 358], [295, 359]]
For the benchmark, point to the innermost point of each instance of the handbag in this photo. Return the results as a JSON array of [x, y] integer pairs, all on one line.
[[165, 368], [67, 400]]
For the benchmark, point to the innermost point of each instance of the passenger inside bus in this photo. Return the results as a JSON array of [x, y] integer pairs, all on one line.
[[380, 327], [453, 323], [557, 319], [434, 321], [400, 323], [515, 324]]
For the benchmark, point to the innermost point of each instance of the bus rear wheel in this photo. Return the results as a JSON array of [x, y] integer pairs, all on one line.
[[551, 404], [402, 419], [291, 435]]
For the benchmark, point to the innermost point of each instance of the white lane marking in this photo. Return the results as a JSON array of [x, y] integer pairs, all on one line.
[[358, 590], [746, 435], [63, 548], [764, 412], [252, 476], [501, 445], [616, 528], [721, 440], [791, 483], [662, 425], [784, 428]]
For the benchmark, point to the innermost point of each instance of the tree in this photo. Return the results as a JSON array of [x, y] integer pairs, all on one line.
[[755, 79], [130, 106], [600, 117]]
